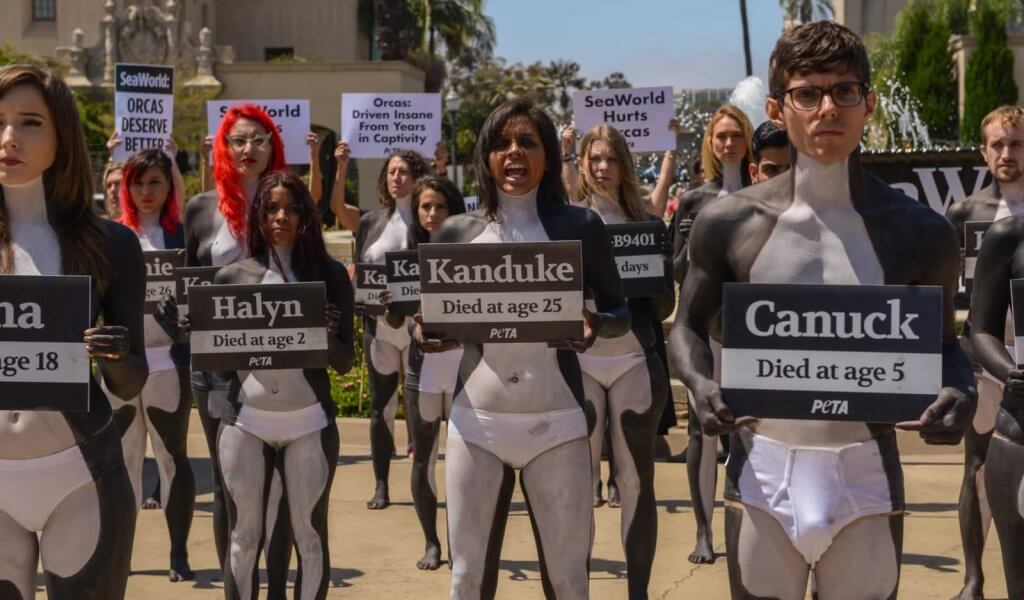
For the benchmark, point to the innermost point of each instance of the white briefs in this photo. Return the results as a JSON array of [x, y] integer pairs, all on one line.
[[439, 372], [32, 488], [606, 370], [159, 359], [278, 428], [517, 438], [814, 492]]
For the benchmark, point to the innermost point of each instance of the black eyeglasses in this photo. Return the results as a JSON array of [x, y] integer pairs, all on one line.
[[808, 97]]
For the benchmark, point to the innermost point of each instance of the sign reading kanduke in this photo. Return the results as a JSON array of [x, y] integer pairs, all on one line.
[[44, 364], [187, 277], [511, 292], [640, 258], [832, 352], [247, 327], [403, 275], [371, 280], [160, 280]]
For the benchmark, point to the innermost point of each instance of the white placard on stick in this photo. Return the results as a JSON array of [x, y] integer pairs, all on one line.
[[290, 116], [374, 125], [143, 107], [642, 115]]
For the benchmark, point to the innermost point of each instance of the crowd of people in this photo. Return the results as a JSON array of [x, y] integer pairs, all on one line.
[[786, 202]]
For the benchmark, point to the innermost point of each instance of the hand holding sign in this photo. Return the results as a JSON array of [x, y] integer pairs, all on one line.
[[946, 419], [714, 416], [333, 316], [109, 342], [430, 345]]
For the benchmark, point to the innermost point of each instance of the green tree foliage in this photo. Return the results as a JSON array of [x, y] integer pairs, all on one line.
[[988, 80], [925, 63]]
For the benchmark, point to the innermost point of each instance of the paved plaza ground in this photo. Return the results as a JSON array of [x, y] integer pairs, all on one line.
[[374, 553]]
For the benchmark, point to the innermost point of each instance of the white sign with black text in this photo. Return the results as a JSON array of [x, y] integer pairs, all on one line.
[[290, 116], [472, 203], [642, 115], [640, 256], [832, 352], [375, 125], [143, 107], [403, 275]]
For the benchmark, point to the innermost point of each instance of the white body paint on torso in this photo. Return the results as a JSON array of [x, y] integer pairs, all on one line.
[[225, 248], [819, 239], [612, 214], [31, 434], [516, 378], [732, 179], [151, 237], [276, 389], [394, 237]]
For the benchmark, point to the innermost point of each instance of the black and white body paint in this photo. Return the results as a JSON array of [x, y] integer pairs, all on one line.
[[814, 495], [519, 406], [1002, 259], [386, 348], [625, 383], [282, 419], [988, 204], [65, 496], [159, 415]]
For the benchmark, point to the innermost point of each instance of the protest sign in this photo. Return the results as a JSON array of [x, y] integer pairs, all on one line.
[[247, 327], [472, 203], [832, 352], [185, 278], [44, 364], [290, 116], [642, 115], [143, 107], [1017, 310], [374, 125], [640, 256], [509, 292], [160, 280], [974, 232], [371, 280], [403, 275]]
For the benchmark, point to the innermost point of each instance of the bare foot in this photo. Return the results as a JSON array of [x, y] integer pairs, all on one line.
[[380, 499], [151, 504], [431, 558], [614, 500], [703, 553], [972, 591], [598, 498]]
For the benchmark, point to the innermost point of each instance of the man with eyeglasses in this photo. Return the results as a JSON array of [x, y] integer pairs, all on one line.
[[822, 496]]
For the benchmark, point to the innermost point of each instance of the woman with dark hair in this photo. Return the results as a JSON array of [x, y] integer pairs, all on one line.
[[284, 416], [519, 406], [385, 347], [625, 379], [247, 147], [161, 410], [65, 495]]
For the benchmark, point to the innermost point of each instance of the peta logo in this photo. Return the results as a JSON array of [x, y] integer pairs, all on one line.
[[830, 407]]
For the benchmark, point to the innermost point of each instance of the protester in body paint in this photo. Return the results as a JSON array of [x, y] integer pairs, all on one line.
[[65, 496], [519, 405], [827, 222], [771, 152], [170, 149], [1002, 147], [625, 380], [284, 416]]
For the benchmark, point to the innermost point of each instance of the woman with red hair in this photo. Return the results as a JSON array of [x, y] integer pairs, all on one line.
[[149, 207], [247, 146]]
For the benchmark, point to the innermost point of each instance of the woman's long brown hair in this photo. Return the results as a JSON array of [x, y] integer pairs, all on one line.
[[68, 182]]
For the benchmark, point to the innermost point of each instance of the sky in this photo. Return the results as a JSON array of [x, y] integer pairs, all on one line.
[[679, 43]]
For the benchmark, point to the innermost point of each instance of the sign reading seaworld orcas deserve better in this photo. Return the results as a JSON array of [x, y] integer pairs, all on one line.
[[509, 292], [640, 256], [143, 107], [974, 232], [403, 276], [160, 281], [833, 352], [44, 364], [642, 115], [247, 327], [185, 278]]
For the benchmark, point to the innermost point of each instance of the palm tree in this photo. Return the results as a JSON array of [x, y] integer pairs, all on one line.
[[565, 77], [805, 11], [746, 37]]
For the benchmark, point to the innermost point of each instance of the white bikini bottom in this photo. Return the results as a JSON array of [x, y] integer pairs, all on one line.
[[279, 428], [517, 438], [399, 338], [814, 492], [606, 370], [439, 372], [32, 488], [159, 359]]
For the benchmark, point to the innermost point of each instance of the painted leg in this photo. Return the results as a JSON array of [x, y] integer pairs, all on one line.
[[614, 498], [246, 463], [974, 513], [763, 564], [130, 422], [597, 397], [557, 488], [425, 422], [702, 472], [869, 545], [204, 395], [384, 363], [479, 489], [309, 464], [636, 402], [279, 539], [167, 403], [1004, 478], [19, 554]]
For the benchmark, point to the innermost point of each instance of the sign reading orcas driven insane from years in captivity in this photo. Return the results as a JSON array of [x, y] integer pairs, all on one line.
[[403, 275], [371, 281], [44, 364], [160, 280], [245, 327], [187, 277], [511, 292], [639, 254], [850, 353], [974, 232]]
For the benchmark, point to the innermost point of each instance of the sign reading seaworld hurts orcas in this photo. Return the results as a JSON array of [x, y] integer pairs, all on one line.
[[44, 364], [247, 327], [832, 352], [509, 292]]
